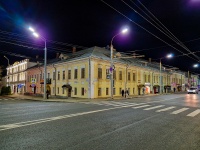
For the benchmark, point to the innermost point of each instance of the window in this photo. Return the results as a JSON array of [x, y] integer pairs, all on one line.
[[40, 76], [107, 91], [75, 91], [149, 78], [154, 78], [99, 91], [107, 73], [114, 92], [75, 73], [145, 78], [53, 90], [120, 90], [54, 75], [134, 77], [120, 75], [82, 73], [133, 90], [82, 91], [37, 78], [64, 75], [99, 73], [58, 75], [58, 90], [69, 74], [114, 74], [129, 76]]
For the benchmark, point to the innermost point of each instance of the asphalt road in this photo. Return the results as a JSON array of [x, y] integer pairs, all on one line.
[[166, 122]]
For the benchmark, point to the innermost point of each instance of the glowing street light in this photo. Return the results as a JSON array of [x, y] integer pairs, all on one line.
[[111, 60], [196, 65], [45, 58]]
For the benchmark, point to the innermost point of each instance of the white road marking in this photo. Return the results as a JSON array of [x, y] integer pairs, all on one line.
[[194, 113], [155, 107], [141, 106], [179, 111], [27, 123], [165, 109]]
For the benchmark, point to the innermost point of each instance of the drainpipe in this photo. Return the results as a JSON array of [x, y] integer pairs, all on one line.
[[55, 81]]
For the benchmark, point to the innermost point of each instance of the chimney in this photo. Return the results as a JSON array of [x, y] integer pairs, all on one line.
[[57, 55], [149, 60], [73, 49]]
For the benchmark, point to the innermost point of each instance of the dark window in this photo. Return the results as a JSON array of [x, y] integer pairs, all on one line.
[[120, 75], [129, 76], [107, 91], [114, 74], [58, 90], [82, 91], [99, 91], [75, 91], [69, 74], [58, 75], [133, 76], [114, 92], [99, 73], [149, 78], [54, 75], [82, 73], [63, 75], [75, 73], [48, 75]]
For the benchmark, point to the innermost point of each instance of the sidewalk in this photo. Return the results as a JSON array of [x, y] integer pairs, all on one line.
[[72, 100]]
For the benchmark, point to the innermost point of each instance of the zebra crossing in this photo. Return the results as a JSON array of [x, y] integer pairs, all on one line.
[[173, 110], [8, 99]]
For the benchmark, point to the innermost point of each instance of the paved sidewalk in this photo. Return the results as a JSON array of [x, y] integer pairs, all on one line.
[[36, 98]]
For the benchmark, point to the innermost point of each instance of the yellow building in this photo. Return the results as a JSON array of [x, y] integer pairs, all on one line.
[[86, 74]]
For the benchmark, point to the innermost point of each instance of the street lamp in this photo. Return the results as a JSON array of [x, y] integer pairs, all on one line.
[[111, 60], [8, 70], [45, 58], [168, 56]]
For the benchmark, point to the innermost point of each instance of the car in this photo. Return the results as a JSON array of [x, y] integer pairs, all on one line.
[[193, 90]]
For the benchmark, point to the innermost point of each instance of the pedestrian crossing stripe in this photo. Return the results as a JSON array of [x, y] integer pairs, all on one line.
[[194, 113], [145, 106], [179, 111]]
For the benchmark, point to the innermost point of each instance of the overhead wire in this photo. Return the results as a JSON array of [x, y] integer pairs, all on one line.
[[143, 28], [161, 25], [161, 29]]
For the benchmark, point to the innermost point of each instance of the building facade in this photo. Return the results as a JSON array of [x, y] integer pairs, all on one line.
[[86, 74], [16, 75]]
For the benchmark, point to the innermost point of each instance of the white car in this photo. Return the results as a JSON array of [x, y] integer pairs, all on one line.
[[193, 90]]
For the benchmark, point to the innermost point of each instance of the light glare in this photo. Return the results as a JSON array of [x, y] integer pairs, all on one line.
[[124, 30], [35, 34], [31, 29], [195, 65], [169, 55]]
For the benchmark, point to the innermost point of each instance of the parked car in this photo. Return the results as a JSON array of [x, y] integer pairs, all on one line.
[[193, 90]]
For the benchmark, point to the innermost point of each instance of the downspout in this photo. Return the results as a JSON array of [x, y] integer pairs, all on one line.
[[55, 81]]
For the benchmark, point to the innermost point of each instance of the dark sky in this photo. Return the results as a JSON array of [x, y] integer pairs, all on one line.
[[91, 23]]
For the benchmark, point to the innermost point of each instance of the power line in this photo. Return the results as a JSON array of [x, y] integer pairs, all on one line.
[[144, 28]]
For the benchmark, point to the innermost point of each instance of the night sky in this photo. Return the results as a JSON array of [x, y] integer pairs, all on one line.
[[91, 23]]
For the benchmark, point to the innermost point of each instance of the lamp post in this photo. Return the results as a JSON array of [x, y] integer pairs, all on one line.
[[168, 56], [45, 58], [111, 60], [8, 70]]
